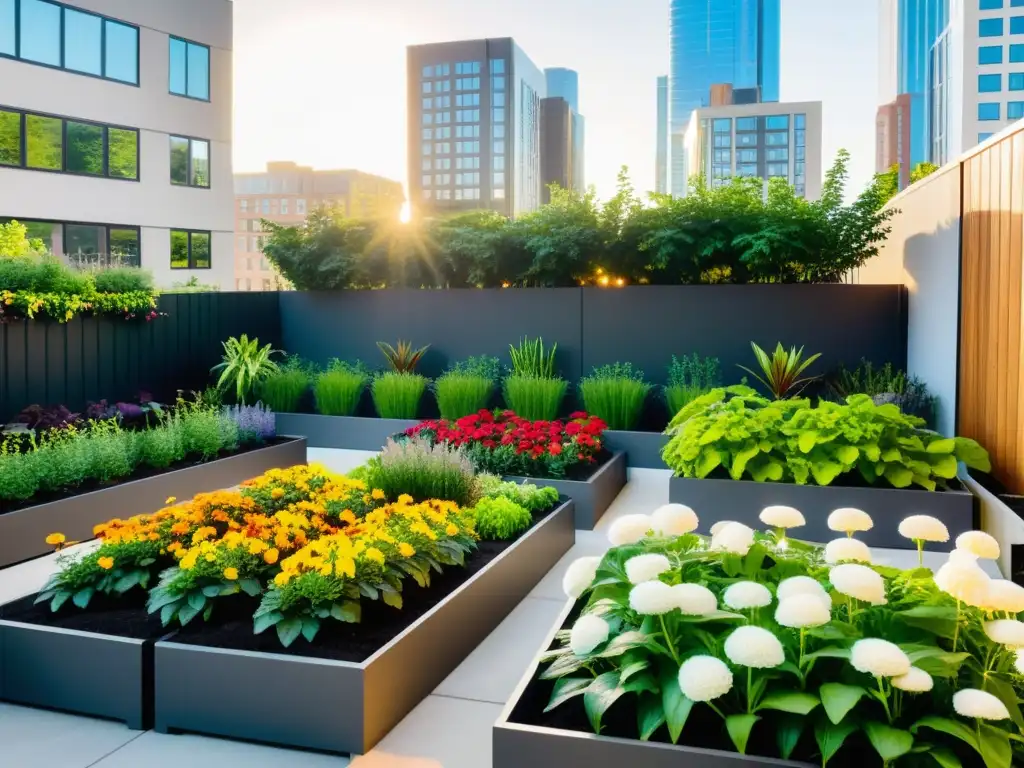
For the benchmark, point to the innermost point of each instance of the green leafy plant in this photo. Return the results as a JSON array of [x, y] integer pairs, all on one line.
[[466, 387], [689, 378], [245, 366], [527, 495], [536, 398], [780, 373], [616, 394], [122, 280], [403, 358], [423, 471], [738, 433], [339, 389], [398, 395], [500, 519], [885, 385], [282, 391], [530, 359]]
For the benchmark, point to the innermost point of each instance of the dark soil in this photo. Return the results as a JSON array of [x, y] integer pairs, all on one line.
[[141, 473], [124, 617]]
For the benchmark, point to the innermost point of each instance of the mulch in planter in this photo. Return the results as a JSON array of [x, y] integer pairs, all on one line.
[[140, 474], [124, 617]]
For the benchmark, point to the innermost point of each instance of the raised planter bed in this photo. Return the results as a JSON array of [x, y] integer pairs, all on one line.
[[642, 449], [23, 532], [592, 496], [348, 706], [743, 500], [1000, 520], [354, 433], [516, 743]]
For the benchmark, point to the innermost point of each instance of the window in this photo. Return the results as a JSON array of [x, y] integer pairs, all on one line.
[[40, 32], [445, 163], [776, 139], [498, 100], [801, 122], [467, 68], [190, 250], [990, 5], [990, 27], [1017, 3], [725, 140], [8, 31], [746, 170], [300, 207], [265, 206], [990, 54], [778, 169], [983, 137], [499, 147], [84, 148], [742, 155], [497, 66], [442, 179], [498, 83], [428, 118], [190, 69], [71, 146], [467, 84], [1017, 53], [428, 133], [428, 71], [443, 118], [499, 179], [1016, 81], [746, 123], [190, 162], [467, 100], [499, 131], [498, 162], [988, 110], [428, 87], [723, 125], [443, 133], [498, 194], [778, 155], [284, 207], [990, 83], [1017, 25], [777, 122], [254, 245], [243, 206], [83, 42], [443, 148], [442, 70], [1014, 110], [499, 115], [85, 244]]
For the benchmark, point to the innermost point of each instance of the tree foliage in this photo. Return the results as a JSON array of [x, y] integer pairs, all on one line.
[[14, 241]]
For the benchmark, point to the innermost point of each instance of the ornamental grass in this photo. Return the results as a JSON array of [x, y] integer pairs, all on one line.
[[398, 395], [616, 394], [339, 389], [537, 398]]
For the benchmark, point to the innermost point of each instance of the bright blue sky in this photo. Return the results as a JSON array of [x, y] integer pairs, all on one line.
[[322, 82]]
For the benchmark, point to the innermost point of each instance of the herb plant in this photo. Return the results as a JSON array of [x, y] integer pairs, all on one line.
[[398, 395], [424, 471], [500, 519], [245, 366], [885, 385], [689, 378], [780, 373], [466, 387], [615, 394], [339, 389]]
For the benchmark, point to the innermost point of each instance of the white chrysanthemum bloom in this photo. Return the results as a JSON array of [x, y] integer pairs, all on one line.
[[924, 528], [629, 529], [719, 526], [970, 702], [847, 550], [1008, 632], [879, 658], [588, 632], [850, 520], [1004, 595], [1018, 661], [652, 598], [860, 582], [674, 520], [914, 681], [962, 557], [694, 600], [965, 582], [747, 594], [754, 647], [646, 568], [802, 611], [704, 678], [782, 517], [580, 575], [978, 543], [735, 538], [802, 585]]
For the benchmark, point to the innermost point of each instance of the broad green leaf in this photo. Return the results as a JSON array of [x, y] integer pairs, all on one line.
[[710, 459], [197, 600], [945, 664], [892, 455], [890, 743], [83, 596], [937, 619], [265, 621], [948, 726], [839, 699], [566, 688], [995, 747], [167, 613], [676, 706], [393, 599], [826, 472], [972, 454], [1005, 692], [807, 440], [59, 599], [187, 612], [741, 458], [787, 735], [310, 626], [349, 611], [945, 467], [739, 727], [830, 737], [603, 691], [212, 590], [650, 716], [288, 630], [126, 582], [945, 445], [945, 757], [829, 653], [796, 702], [250, 586], [899, 476], [633, 668], [848, 454]]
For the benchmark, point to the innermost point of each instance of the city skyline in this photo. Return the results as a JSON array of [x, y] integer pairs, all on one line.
[[320, 42]]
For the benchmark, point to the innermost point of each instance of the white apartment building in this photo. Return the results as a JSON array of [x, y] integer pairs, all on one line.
[[115, 131]]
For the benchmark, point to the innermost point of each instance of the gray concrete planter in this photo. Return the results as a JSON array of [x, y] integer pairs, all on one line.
[[642, 449], [342, 706], [743, 500], [81, 672], [23, 533], [515, 744], [1000, 521], [354, 433], [593, 496]]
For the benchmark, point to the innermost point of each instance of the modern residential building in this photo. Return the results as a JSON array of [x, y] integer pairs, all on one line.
[[565, 84], [558, 158], [474, 111], [115, 131], [661, 158], [893, 139], [779, 140], [734, 42], [285, 193]]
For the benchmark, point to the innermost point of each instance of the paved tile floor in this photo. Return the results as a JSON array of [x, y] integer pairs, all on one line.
[[449, 729]]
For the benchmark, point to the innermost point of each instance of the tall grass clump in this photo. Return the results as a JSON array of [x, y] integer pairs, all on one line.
[[466, 387], [423, 471], [339, 389], [689, 378], [398, 395], [531, 359], [615, 394], [534, 397], [282, 390]]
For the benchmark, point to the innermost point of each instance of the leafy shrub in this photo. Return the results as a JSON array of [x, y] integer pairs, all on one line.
[[689, 378], [530, 359], [500, 519], [122, 280], [735, 431], [526, 495], [42, 418], [339, 389], [245, 366], [403, 358], [780, 373], [534, 397], [616, 394], [282, 390], [398, 395], [423, 471]]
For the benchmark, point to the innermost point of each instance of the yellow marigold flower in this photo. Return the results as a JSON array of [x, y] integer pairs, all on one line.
[[452, 529], [366, 498], [56, 539], [174, 546], [405, 498], [325, 569], [270, 556], [345, 566], [106, 563], [375, 555], [170, 500], [211, 557], [256, 547], [406, 550], [230, 574], [282, 578], [377, 494], [277, 493]]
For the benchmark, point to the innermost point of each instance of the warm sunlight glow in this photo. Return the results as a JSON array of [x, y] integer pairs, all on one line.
[[603, 280], [620, 282], [405, 215]]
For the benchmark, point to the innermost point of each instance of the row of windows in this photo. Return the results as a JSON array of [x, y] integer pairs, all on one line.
[[770, 123], [437, 133], [45, 143], [467, 68], [992, 110], [460, 194], [441, 86], [467, 131], [84, 244], [439, 118], [996, 27], [265, 204], [992, 5], [473, 148], [245, 284], [467, 115], [252, 245], [467, 100], [994, 83], [437, 70], [437, 102], [993, 54], [467, 84]]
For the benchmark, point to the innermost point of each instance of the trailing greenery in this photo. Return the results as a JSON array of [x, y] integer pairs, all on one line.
[[780, 373], [283, 390], [424, 471], [738, 433], [500, 519], [398, 395], [534, 397], [339, 389], [526, 495], [616, 394], [689, 378], [246, 365]]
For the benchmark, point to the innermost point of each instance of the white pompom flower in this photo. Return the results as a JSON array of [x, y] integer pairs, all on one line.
[[914, 681], [962, 557], [970, 702], [735, 538], [588, 632], [747, 594], [1004, 595], [965, 582], [859, 582], [802, 611], [924, 528], [694, 599], [850, 520], [652, 598], [782, 517], [704, 678], [803, 585], [646, 568], [1008, 632], [847, 550], [674, 520], [978, 543], [719, 526], [1018, 661], [579, 576], [629, 529], [754, 647], [879, 658]]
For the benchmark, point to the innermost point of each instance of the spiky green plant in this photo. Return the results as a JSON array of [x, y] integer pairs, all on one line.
[[536, 398], [780, 373], [530, 359], [403, 358], [339, 389], [616, 394], [282, 391], [466, 387], [398, 395], [245, 365]]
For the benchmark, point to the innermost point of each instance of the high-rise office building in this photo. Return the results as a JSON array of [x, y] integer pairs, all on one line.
[[735, 42], [115, 132], [661, 159], [284, 194], [558, 157], [565, 84], [474, 111]]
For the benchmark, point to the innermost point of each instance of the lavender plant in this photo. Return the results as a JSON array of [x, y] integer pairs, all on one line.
[[255, 422]]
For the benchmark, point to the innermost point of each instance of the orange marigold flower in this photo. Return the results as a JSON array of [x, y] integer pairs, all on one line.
[[347, 516], [270, 556], [106, 563], [56, 539], [231, 574]]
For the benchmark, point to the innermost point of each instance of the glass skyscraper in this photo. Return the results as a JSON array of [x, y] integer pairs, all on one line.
[[565, 84], [735, 42]]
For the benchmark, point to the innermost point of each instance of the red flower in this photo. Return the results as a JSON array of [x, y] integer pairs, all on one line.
[[555, 449], [573, 429], [578, 415]]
